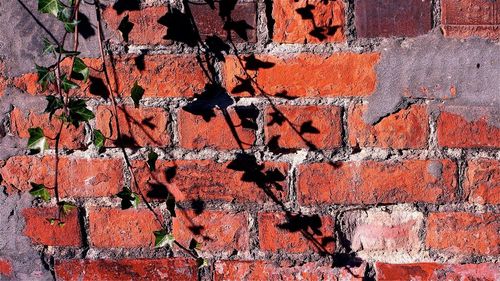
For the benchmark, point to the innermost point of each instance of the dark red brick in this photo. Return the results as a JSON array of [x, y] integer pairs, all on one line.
[[482, 181], [179, 269], [381, 18], [466, 18]]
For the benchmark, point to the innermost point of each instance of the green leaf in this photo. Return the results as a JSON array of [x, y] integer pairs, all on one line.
[[50, 7], [98, 139], [78, 112], [40, 191], [52, 221], [37, 140], [66, 207], [67, 85], [152, 157], [48, 47], [162, 239], [129, 198], [61, 224], [45, 76], [137, 93], [202, 262], [194, 245], [54, 103], [81, 68]]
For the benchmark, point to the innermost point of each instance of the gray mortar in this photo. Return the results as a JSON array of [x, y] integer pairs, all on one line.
[[438, 64]]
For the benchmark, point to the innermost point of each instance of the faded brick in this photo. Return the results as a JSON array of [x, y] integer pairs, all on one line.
[[467, 18]]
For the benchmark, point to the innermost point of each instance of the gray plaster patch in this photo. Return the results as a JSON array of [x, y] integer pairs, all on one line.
[[456, 75], [21, 36], [14, 246], [435, 168]]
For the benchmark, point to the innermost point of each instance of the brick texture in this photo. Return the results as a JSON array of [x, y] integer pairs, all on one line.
[[41, 231], [468, 18], [5, 268], [464, 233], [482, 182], [435, 271], [308, 21], [372, 182], [127, 269]]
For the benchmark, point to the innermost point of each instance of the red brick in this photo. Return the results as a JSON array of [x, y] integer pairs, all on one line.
[[40, 231], [372, 182], [325, 22], [466, 18], [207, 180], [306, 75], [311, 126], [384, 232], [71, 137], [115, 228], [127, 269], [28, 83], [262, 270], [455, 131], [78, 177], [296, 234], [435, 271], [5, 268], [408, 128], [379, 18], [464, 233], [216, 230], [144, 126], [198, 133], [482, 181], [145, 29], [209, 22]]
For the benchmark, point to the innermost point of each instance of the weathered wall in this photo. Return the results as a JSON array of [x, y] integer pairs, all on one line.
[[370, 129]]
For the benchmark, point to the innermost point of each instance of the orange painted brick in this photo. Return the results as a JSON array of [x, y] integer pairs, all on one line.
[[145, 28], [226, 270], [196, 132], [71, 137], [5, 268], [39, 229], [127, 269], [308, 21], [464, 233], [456, 132], [78, 177], [482, 181], [143, 126], [304, 75], [296, 234], [28, 83], [373, 182], [316, 127], [435, 271], [408, 128], [470, 18], [115, 228], [216, 230], [207, 180]]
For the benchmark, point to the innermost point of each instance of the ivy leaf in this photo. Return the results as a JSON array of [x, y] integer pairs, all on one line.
[[54, 103], [37, 140], [98, 139], [78, 112], [48, 47], [67, 85], [152, 157], [66, 207], [129, 198], [162, 239], [50, 7], [137, 93], [40, 191], [194, 245], [52, 221], [81, 68], [45, 76], [61, 224], [202, 262]]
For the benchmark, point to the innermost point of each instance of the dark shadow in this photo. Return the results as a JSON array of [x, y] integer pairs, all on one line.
[[179, 27], [98, 88], [121, 6], [198, 206], [217, 47], [85, 28], [170, 173], [204, 104], [248, 116], [158, 191], [125, 27]]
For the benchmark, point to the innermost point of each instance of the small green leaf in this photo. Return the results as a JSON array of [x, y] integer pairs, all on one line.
[[162, 239], [69, 26], [45, 76], [53, 104], [67, 84], [194, 245], [52, 221], [61, 224], [81, 68], [53, 7], [129, 198], [202, 262], [37, 140], [98, 139], [152, 157], [48, 47], [40, 191], [66, 207], [137, 93], [78, 112]]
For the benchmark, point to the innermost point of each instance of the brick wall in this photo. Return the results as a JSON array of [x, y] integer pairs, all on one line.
[[263, 120]]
